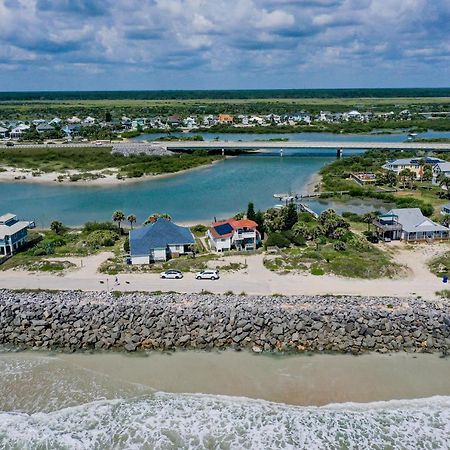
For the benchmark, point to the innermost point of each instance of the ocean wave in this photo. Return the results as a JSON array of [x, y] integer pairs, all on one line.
[[169, 421]]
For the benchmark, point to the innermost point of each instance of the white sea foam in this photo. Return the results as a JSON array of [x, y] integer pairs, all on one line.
[[166, 421]]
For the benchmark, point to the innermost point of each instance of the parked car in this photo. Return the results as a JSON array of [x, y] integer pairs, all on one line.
[[171, 274], [10, 144], [207, 275]]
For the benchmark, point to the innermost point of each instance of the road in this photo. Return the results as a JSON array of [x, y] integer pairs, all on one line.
[[258, 145]]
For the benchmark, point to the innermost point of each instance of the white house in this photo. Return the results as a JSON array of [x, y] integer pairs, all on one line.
[[442, 168], [409, 224], [89, 120], [234, 234], [74, 120], [159, 241], [17, 132], [416, 164]]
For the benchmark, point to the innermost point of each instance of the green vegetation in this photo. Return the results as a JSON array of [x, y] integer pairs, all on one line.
[[325, 245], [402, 191], [440, 265], [93, 238], [55, 159]]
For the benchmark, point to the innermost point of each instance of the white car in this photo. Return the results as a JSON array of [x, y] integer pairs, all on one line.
[[207, 275], [171, 274]]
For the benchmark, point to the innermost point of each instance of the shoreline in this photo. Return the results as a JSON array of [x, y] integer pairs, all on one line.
[[109, 180]]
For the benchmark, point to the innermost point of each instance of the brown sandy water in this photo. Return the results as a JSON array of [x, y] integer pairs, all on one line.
[[228, 400]]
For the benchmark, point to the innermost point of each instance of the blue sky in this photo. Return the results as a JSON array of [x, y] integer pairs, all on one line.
[[223, 44]]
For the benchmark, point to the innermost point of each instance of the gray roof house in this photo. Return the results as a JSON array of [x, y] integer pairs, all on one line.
[[409, 224], [159, 241]]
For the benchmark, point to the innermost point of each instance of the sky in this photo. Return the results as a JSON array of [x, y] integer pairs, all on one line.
[[223, 44]]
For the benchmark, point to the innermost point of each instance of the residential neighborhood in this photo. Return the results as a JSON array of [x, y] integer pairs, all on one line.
[[79, 127]]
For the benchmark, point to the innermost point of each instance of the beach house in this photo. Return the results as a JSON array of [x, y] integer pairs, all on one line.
[[13, 233], [159, 241], [442, 168], [231, 234], [415, 165], [409, 224]]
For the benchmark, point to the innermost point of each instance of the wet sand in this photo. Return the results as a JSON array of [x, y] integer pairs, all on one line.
[[296, 380]]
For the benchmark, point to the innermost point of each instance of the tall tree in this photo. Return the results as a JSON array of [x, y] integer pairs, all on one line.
[[251, 215], [132, 219], [368, 218], [290, 216], [259, 219], [119, 217]]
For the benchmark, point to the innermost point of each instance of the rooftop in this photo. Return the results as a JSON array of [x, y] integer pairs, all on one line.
[[160, 234]]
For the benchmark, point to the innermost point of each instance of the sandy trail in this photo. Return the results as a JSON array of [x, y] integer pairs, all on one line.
[[254, 279]]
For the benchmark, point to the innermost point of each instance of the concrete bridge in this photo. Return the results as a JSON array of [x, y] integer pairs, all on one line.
[[277, 145], [255, 145]]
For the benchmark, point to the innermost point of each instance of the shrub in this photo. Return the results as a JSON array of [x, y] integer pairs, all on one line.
[[340, 246], [94, 226], [102, 238], [199, 228], [277, 240]]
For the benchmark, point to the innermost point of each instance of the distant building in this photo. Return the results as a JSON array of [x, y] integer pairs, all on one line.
[[409, 224], [234, 234], [364, 178], [4, 132], [19, 131], [74, 120], [442, 168], [174, 121], [44, 128], [159, 241], [416, 164], [445, 209], [225, 119], [13, 233]]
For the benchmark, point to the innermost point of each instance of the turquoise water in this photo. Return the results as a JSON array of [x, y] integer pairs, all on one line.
[[399, 136], [216, 191]]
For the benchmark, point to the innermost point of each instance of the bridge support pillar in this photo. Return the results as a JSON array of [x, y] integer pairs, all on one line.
[[339, 153], [281, 152]]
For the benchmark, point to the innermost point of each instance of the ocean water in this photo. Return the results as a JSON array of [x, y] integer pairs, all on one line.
[[59, 402]]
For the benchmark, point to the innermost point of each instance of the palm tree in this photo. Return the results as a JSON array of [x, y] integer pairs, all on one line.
[[132, 219], [119, 217], [444, 182], [368, 218]]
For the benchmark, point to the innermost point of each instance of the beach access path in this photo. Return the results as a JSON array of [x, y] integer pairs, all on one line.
[[253, 279]]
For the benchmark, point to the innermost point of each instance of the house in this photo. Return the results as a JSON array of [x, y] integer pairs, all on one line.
[[442, 168], [159, 241], [44, 128], [416, 164], [409, 224], [210, 120], [74, 120], [71, 130], [174, 121], [89, 121], [55, 121], [13, 233], [445, 209], [4, 132], [352, 115], [238, 234], [301, 116], [190, 122], [225, 119], [364, 178], [17, 132], [37, 122]]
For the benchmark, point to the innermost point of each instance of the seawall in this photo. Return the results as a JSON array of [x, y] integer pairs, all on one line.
[[73, 321]]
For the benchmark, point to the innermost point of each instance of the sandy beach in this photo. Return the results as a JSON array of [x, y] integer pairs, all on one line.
[[107, 176], [253, 279]]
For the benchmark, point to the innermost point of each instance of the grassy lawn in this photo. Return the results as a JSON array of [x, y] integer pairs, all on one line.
[[359, 260], [61, 159]]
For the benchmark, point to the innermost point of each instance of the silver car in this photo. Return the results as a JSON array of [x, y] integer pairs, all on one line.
[[207, 275], [171, 274]]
